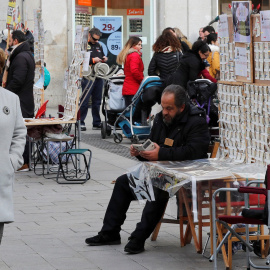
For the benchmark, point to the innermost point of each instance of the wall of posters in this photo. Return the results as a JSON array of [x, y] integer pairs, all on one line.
[[241, 21], [112, 35]]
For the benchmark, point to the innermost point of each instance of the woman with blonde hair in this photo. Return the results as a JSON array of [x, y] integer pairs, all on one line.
[[182, 37], [130, 57]]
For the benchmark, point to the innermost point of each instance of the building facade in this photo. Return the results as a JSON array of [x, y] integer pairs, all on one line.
[[144, 18]]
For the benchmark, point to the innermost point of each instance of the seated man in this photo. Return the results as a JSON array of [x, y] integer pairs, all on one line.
[[180, 132]]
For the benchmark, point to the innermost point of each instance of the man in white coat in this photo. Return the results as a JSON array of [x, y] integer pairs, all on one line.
[[12, 142]]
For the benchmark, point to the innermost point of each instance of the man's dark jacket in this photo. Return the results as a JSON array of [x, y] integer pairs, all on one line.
[[189, 133], [96, 51], [20, 79]]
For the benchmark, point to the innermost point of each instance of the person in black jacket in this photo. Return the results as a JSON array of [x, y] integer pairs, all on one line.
[[191, 64], [179, 132], [96, 56], [168, 51], [19, 78]]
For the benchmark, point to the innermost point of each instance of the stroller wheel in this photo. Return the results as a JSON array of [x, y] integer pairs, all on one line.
[[135, 139], [109, 131], [103, 130], [118, 138]]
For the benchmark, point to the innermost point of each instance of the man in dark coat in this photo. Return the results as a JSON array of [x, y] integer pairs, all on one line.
[[19, 78], [179, 132], [21, 72]]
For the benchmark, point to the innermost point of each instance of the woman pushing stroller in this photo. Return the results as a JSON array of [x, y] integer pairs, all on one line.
[[130, 56]]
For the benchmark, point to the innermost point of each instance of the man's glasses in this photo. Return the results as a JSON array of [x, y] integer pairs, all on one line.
[[95, 39]]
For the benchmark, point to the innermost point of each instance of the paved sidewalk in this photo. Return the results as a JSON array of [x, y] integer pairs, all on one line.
[[52, 222]]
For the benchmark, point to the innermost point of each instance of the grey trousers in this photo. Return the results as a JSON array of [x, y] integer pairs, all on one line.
[[1, 230]]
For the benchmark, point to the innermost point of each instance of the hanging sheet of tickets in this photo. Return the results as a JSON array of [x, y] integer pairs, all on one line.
[[10, 14], [72, 82], [39, 59]]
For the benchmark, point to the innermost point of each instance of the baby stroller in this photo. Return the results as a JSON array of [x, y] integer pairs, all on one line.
[[133, 120], [113, 102], [202, 93]]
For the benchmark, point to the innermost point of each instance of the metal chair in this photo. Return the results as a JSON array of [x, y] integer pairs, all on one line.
[[76, 174], [262, 219]]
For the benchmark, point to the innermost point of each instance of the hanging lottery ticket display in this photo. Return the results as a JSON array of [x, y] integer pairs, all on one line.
[[72, 82], [39, 59]]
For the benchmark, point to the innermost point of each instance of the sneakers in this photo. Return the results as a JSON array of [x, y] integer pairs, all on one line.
[[103, 239], [83, 128], [97, 126], [24, 168], [134, 246]]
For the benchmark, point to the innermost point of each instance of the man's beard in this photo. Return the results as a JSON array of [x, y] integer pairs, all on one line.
[[170, 120]]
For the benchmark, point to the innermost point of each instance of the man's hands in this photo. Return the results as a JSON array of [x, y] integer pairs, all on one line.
[[98, 60], [149, 155]]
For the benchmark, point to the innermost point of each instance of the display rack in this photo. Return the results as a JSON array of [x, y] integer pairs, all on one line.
[[39, 59]]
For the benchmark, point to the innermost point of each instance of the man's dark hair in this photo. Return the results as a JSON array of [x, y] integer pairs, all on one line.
[[179, 94], [211, 37], [209, 29], [95, 31], [19, 35]]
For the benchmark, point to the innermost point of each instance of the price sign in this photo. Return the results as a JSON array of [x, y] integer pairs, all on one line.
[[112, 35]]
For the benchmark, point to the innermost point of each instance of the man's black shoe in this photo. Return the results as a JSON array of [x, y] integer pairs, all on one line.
[[103, 239], [83, 128], [134, 246], [97, 126]]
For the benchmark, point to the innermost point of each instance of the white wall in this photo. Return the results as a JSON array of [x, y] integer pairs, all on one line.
[[188, 15]]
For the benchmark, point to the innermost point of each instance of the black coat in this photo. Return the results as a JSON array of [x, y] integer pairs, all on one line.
[[165, 63], [20, 78], [189, 133], [190, 66]]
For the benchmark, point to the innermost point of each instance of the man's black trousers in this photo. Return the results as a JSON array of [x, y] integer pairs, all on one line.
[[119, 204]]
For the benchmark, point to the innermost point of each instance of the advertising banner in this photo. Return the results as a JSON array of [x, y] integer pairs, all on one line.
[[10, 14], [241, 21], [111, 28]]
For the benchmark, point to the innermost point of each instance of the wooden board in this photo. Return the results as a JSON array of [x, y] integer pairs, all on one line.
[[45, 121]]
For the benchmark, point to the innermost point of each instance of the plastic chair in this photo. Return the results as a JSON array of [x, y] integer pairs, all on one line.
[[225, 220]]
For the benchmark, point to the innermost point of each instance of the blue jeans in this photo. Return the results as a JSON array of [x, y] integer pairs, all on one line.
[[96, 93]]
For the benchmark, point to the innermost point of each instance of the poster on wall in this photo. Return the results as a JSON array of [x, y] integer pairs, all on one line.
[[111, 28], [265, 25], [241, 21], [10, 14], [223, 26], [241, 61]]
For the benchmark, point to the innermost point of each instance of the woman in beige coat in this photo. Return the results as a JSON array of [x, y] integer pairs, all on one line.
[[12, 142]]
